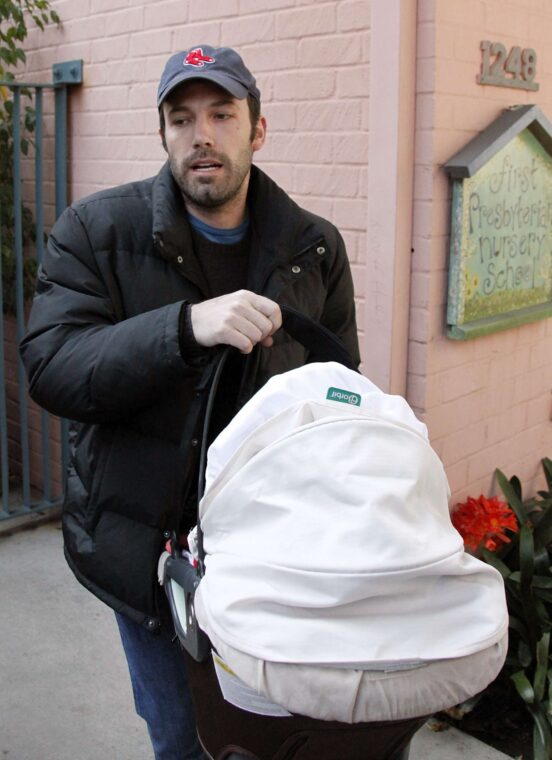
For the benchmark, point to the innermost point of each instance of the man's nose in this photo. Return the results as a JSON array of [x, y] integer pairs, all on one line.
[[203, 133]]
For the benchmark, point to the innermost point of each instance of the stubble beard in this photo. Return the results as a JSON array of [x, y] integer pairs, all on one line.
[[211, 192]]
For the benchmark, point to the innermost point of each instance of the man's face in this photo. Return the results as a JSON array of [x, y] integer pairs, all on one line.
[[208, 140]]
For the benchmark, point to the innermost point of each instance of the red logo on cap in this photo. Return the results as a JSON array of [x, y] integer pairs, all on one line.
[[196, 58]]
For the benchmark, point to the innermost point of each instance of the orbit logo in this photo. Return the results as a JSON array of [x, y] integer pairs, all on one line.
[[343, 396]]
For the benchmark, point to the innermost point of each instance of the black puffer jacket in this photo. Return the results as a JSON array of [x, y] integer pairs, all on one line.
[[102, 349]]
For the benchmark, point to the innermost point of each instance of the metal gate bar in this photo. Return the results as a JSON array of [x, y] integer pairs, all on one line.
[[64, 74]]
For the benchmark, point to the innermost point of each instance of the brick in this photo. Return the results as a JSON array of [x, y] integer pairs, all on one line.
[[84, 123], [419, 289], [96, 74], [425, 110], [109, 172], [443, 117], [463, 381], [214, 9], [103, 6], [530, 384], [188, 35], [125, 124], [351, 214], [466, 43], [351, 240], [416, 391], [456, 415], [457, 78], [425, 43], [353, 82], [330, 51], [303, 148], [306, 22], [304, 85], [265, 83], [464, 443], [332, 116], [257, 29], [113, 98], [514, 24], [280, 116], [71, 9], [166, 14], [540, 354], [447, 354], [418, 356], [142, 147], [424, 146], [365, 120], [125, 72], [271, 56], [503, 426], [339, 182], [423, 216], [421, 253], [76, 31], [359, 280], [257, 6], [503, 397], [419, 325], [150, 43], [102, 147], [142, 95], [363, 183], [282, 174], [126, 21], [110, 49], [457, 476], [427, 10], [320, 206], [425, 75], [351, 148], [481, 466], [354, 15], [423, 183]]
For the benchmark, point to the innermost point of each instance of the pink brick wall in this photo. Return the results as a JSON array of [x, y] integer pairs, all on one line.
[[487, 402]]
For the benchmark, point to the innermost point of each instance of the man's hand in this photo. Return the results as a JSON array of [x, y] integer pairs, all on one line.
[[241, 319]]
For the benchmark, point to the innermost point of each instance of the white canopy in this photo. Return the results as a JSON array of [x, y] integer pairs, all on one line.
[[328, 537]]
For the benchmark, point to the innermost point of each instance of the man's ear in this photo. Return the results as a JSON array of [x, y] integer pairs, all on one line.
[[259, 134], [161, 133]]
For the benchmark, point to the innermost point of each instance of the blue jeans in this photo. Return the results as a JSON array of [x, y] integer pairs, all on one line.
[[161, 694]]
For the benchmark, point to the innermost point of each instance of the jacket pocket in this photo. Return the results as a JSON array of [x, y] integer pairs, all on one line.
[[93, 506], [138, 478]]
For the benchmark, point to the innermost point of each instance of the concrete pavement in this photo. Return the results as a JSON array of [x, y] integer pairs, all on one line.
[[65, 691]]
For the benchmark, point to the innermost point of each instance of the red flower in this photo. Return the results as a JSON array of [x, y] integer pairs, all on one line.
[[483, 521]]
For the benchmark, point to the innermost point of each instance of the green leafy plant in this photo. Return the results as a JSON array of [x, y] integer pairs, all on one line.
[[14, 17], [524, 560]]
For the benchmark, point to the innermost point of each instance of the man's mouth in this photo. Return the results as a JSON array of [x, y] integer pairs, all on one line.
[[204, 166]]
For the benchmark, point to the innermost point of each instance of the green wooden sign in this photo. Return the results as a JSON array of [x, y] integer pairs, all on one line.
[[500, 271]]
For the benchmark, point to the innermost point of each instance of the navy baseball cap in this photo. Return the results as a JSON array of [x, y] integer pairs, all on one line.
[[223, 66]]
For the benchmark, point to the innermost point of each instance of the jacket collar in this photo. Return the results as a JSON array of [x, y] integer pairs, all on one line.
[[172, 238], [280, 229]]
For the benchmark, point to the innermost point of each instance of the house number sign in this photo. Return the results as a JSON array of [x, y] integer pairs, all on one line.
[[514, 68]]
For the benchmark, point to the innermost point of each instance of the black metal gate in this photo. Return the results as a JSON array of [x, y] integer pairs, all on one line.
[[33, 446]]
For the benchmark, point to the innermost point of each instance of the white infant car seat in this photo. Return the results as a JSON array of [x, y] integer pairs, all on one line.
[[335, 584]]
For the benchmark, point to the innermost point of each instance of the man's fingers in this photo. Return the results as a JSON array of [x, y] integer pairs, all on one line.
[[241, 319], [271, 310]]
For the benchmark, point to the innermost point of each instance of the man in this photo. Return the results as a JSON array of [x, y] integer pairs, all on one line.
[[138, 284]]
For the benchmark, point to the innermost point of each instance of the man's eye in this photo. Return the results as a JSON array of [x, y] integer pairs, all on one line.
[[180, 121], [222, 116]]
